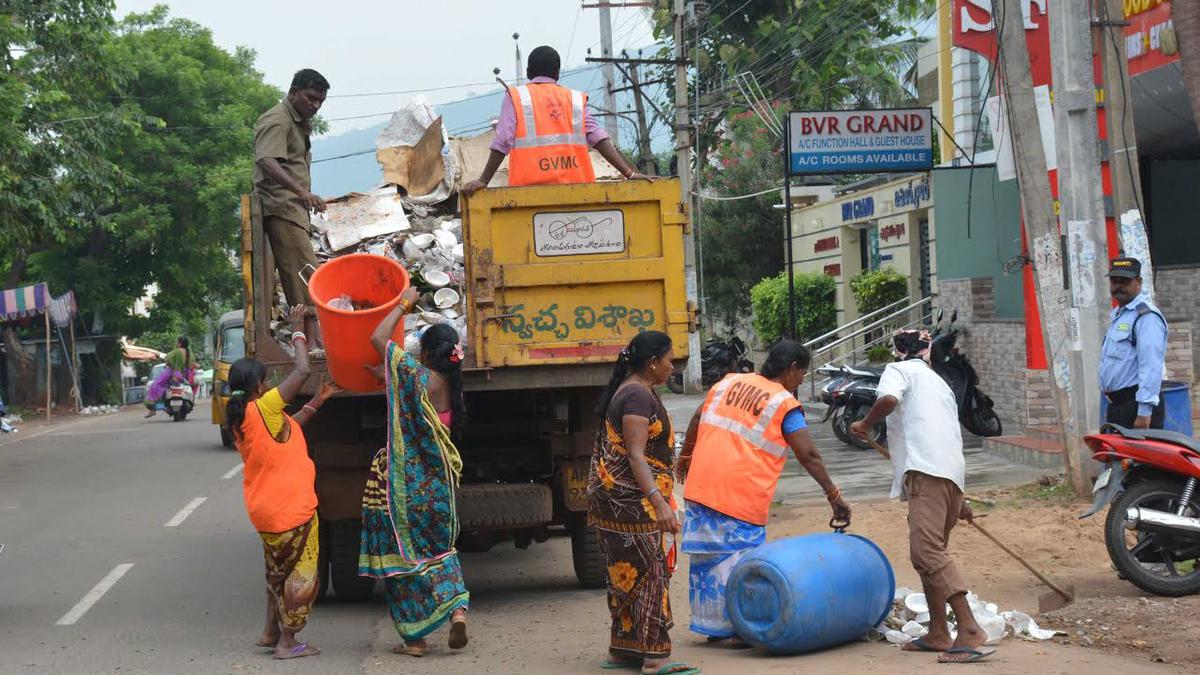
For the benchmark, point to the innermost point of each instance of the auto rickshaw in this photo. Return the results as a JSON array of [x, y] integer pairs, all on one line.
[[230, 346]]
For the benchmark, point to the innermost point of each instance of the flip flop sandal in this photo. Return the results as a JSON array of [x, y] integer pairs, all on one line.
[[972, 655], [674, 669], [406, 650], [609, 664], [458, 634], [919, 645], [299, 651]]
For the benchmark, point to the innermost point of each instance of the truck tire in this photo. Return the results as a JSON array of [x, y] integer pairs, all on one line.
[[588, 559], [504, 506], [343, 562]]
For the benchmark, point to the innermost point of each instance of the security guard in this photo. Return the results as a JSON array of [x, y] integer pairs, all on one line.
[[545, 130], [1132, 358]]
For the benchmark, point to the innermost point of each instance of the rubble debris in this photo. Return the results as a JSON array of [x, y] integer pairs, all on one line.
[[909, 620]]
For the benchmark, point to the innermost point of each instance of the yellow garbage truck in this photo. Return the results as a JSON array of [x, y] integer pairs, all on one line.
[[558, 279]]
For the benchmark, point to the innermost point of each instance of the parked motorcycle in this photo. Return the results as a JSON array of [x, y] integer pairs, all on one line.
[[849, 396], [976, 410], [179, 400], [1153, 527], [718, 358]]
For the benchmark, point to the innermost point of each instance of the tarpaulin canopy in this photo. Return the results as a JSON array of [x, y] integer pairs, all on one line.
[[63, 309], [23, 302]]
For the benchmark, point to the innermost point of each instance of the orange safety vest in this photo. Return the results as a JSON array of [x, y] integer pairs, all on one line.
[[550, 144], [740, 450]]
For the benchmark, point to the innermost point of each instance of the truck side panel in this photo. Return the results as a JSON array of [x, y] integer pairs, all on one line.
[[567, 274]]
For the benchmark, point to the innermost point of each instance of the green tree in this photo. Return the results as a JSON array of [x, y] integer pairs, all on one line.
[[175, 223], [816, 306]]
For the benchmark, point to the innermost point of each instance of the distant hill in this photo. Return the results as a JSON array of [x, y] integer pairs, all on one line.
[[361, 172]]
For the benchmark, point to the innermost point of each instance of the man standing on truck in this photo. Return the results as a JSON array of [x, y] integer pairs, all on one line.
[[282, 180], [548, 142]]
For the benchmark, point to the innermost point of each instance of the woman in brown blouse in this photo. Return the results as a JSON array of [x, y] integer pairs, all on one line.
[[630, 503]]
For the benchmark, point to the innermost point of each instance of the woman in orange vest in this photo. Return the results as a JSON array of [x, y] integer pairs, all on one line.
[[545, 131], [630, 504], [280, 488], [734, 451]]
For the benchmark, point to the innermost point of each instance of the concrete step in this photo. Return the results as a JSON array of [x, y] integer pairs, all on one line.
[[1048, 433], [1028, 450]]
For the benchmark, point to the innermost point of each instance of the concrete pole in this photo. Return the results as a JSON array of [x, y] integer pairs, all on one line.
[[1037, 208], [1081, 213], [606, 50], [683, 154], [946, 80], [1118, 106]]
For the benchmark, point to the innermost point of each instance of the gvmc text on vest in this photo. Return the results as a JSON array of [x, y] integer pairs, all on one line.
[[747, 397]]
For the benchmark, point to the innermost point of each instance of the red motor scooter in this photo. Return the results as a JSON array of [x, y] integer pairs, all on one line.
[[1153, 527]]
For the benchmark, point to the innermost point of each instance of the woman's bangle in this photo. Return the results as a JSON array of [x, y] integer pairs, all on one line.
[[405, 306], [835, 495], [653, 492], [298, 335], [311, 410]]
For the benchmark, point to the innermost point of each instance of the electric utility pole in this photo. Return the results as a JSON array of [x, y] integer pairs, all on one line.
[[1041, 226], [683, 154], [1118, 106], [606, 51], [1081, 213], [645, 154]]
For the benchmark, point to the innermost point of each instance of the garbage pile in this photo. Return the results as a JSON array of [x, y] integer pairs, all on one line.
[[411, 218], [7, 423], [99, 410], [909, 620]]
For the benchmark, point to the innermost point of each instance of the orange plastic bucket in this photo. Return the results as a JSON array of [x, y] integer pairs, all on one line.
[[371, 280]]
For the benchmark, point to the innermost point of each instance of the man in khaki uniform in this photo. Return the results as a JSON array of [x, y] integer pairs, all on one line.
[[282, 180]]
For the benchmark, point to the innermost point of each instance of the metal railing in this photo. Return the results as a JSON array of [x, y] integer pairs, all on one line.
[[847, 349]]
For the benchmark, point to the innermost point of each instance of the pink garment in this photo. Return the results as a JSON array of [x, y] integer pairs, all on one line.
[[446, 418], [506, 128]]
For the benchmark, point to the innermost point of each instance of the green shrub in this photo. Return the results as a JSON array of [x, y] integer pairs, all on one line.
[[879, 354], [816, 306], [877, 289]]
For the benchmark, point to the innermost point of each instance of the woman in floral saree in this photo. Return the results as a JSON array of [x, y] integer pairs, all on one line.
[[409, 519], [630, 504]]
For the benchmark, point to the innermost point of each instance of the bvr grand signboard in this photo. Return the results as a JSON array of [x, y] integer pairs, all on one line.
[[860, 141]]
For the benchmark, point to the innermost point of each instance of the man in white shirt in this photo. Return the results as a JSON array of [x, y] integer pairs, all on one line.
[[925, 445]]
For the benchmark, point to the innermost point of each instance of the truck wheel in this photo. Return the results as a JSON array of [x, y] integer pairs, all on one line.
[[590, 566], [343, 562], [226, 437], [504, 506], [675, 384]]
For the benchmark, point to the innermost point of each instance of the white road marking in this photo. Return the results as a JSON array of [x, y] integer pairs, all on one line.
[[93, 596], [186, 511], [94, 431], [232, 472]]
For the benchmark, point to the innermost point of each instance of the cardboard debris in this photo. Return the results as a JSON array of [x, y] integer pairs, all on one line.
[[356, 217], [419, 169]]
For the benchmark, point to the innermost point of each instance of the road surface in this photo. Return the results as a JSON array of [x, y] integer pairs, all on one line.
[[127, 550]]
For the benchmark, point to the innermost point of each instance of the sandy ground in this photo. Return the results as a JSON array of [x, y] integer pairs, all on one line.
[[529, 617]]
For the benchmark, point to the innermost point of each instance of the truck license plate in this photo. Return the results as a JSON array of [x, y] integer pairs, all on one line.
[[1102, 480], [575, 488]]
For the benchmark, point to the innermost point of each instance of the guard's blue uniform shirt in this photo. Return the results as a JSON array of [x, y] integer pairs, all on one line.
[[1124, 365]]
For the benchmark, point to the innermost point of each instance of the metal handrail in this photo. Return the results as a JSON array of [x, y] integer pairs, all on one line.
[[870, 327], [860, 319]]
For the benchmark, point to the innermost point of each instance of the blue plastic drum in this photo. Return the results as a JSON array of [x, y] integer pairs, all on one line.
[[803, 594], [1177, 404]]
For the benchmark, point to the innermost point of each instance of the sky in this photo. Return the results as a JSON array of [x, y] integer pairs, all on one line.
[[367, 46]]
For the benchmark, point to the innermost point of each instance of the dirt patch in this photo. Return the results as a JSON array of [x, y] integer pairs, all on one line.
[[1040, 522], [1157, 628]]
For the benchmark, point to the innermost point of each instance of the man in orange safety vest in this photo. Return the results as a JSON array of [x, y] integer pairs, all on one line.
[[545, 130]]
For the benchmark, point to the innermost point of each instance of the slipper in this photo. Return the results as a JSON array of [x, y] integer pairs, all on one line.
[[919, 645], [972, 655], [406, 650], [458, 634], [298, 651], [609, 664], [674, 669]]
